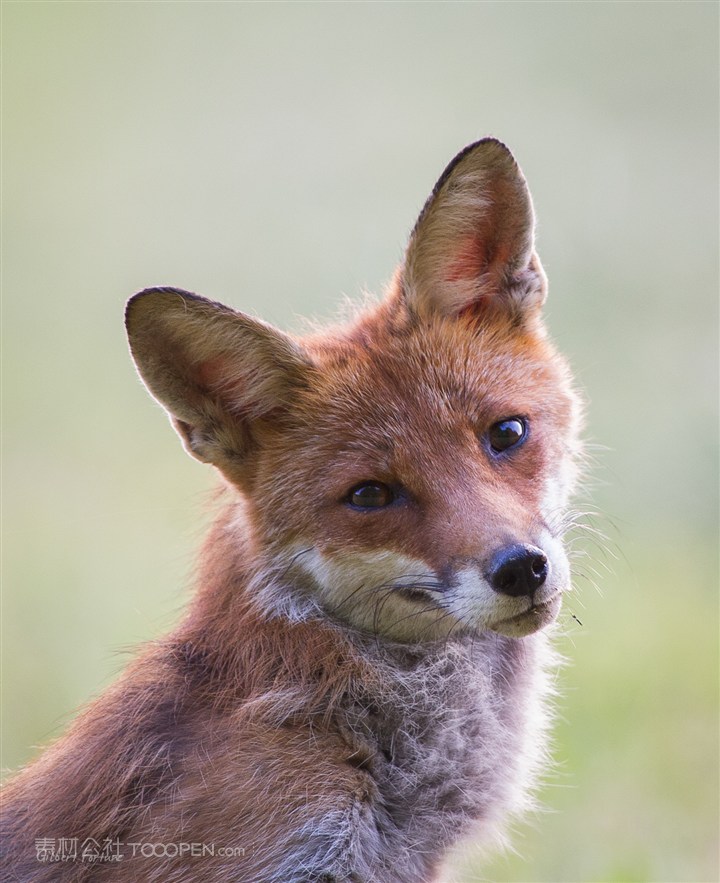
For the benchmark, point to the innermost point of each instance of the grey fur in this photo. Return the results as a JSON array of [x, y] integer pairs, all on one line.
[[450, 745]]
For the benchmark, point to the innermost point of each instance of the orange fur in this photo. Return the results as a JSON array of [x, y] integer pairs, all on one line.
[[352, 689]]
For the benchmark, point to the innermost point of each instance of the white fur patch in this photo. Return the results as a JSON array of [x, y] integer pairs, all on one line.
[[398, 596], [365, 589]]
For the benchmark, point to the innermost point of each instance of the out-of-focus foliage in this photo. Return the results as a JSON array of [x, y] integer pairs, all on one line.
[[275, 155]]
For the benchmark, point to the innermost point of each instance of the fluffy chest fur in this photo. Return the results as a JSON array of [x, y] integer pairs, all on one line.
[[445, 743]]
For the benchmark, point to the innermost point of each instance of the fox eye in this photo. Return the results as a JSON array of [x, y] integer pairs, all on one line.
[[507, 434], [370, 495]]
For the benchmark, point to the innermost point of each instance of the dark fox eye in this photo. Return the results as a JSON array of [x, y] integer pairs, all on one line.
[[506, 434], [371, 495]]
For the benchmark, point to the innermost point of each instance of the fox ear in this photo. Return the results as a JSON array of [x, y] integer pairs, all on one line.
[[217, 372], [474, 239]]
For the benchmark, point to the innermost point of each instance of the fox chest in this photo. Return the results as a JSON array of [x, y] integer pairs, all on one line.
[[440, 757], [435, 768]]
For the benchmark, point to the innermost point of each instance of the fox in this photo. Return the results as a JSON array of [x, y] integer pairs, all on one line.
[[364, 678]]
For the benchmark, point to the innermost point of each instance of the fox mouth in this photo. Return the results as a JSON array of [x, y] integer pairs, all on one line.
[[536, 617]]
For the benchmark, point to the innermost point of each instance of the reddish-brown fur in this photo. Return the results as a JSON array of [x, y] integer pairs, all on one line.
[[329, 718]]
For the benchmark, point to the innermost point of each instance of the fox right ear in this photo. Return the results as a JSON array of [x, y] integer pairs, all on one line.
[[474, 240], [217, 372]]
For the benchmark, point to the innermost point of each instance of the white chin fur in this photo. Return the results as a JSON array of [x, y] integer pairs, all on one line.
[[365, 589], [474, 602]]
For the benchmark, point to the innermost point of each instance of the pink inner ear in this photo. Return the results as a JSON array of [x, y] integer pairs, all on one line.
[[212, 374], [219, 378], [467, 260], [216, 377], [473, 257]]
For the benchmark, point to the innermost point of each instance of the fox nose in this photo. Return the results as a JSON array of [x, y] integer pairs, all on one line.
[[518, 570]]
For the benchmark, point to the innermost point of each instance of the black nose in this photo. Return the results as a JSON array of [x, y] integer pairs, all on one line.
[[518, 570]]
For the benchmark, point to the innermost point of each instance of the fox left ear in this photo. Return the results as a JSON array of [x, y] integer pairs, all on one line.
[[220, 375], [474, 239]]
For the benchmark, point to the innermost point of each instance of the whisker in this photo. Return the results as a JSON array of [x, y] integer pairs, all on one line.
[[293, 560]]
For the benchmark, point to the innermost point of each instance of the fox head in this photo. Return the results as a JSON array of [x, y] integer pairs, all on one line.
[[405, 474]]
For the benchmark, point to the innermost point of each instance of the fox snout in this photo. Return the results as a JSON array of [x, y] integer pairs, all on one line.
[[518, 570], [514, 590]]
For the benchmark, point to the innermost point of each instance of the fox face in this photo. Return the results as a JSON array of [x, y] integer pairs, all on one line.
[[405, 474]]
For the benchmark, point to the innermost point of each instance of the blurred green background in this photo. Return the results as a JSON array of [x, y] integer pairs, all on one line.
[[275, 156]]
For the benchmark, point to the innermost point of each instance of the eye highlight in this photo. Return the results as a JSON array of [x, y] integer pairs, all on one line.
[[370, 495], [506, 434]]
